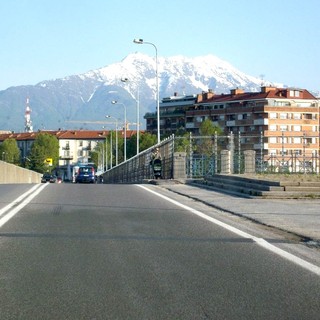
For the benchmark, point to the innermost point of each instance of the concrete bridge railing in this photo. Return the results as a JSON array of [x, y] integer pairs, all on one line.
[[10, 173]]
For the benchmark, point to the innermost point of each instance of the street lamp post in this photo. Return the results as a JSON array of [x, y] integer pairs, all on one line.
[[125, 127], [140, 41], [138, 113], [105, 153], [108, 116]]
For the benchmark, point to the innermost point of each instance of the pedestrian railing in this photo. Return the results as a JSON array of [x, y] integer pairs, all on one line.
[[139, 167]]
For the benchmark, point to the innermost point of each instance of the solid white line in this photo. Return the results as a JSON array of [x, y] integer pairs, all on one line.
[[14, 211], [14, 202], [260, 241]]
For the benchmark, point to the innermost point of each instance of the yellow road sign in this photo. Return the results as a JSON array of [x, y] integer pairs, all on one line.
[[48, 161]]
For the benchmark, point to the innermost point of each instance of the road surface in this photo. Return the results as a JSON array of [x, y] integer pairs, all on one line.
[[77, 251]]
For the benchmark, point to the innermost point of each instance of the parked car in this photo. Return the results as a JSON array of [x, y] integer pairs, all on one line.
[[85, 174]]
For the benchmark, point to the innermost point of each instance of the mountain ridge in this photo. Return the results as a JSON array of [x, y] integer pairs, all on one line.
[[60, 103]]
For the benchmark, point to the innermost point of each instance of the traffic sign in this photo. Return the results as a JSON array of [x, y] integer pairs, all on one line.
[[48, 161]]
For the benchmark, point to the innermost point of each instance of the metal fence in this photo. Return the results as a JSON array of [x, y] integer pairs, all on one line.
[[204, 156], [200, 164], [139, 167]]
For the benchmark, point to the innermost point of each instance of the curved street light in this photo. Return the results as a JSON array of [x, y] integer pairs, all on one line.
[[140, 41], [108, 116], [125, 127]]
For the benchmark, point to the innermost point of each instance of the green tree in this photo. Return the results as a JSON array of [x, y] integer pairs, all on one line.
[[182, 142], [9, 151], [207, 131], [146, 141], [132, 146], [44, 146]]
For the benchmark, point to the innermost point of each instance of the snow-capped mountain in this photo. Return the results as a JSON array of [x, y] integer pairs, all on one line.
[[83, 101]]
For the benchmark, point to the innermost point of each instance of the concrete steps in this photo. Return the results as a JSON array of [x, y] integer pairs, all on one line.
[[252, 187]]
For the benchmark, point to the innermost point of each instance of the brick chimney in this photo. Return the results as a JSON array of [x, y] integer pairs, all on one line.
[[266, 89], [208, 95], [236, 91]]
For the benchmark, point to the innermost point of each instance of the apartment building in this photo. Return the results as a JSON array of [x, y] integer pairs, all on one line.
[[276, 121]]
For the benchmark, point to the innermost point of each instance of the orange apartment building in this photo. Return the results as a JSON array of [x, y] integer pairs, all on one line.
[[277, 121]]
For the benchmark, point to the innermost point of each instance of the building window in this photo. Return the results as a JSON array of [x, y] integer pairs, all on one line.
[[273, 127], [215, 118], [272, 140], [283, 127], [282, 103], [309, 116], [296, 128], [283, 116], [273, 115], [308, 141], [296, 140], [294, 93], [297, 116]]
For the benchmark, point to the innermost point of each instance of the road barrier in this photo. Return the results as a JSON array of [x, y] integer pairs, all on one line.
[[10, 173]]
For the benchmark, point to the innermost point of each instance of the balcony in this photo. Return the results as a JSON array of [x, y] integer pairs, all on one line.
[[190, 125], [261, 122], [231, 123], [66, 155]]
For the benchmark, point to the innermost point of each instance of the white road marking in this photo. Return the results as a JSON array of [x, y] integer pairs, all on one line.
[[14, 202], [24, 199], [260, 241]]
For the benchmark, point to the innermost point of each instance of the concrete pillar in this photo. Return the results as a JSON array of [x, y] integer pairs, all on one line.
[[225, 162], [249, 161], [179, 165]]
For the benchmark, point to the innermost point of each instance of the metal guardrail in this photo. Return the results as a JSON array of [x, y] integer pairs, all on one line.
[[199, 164], [138, 168]]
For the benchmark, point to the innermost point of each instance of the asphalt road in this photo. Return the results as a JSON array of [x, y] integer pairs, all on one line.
[[120, 252]]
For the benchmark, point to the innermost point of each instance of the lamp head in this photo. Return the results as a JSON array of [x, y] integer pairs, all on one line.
[[114, 101], [124, 79], [138, 41]]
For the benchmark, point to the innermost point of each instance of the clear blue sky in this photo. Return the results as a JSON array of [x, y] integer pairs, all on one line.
[[47, 39]]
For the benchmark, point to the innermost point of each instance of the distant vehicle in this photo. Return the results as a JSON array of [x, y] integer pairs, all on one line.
[[59, 180], [53, 179], [46, 177], [85, 174]]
